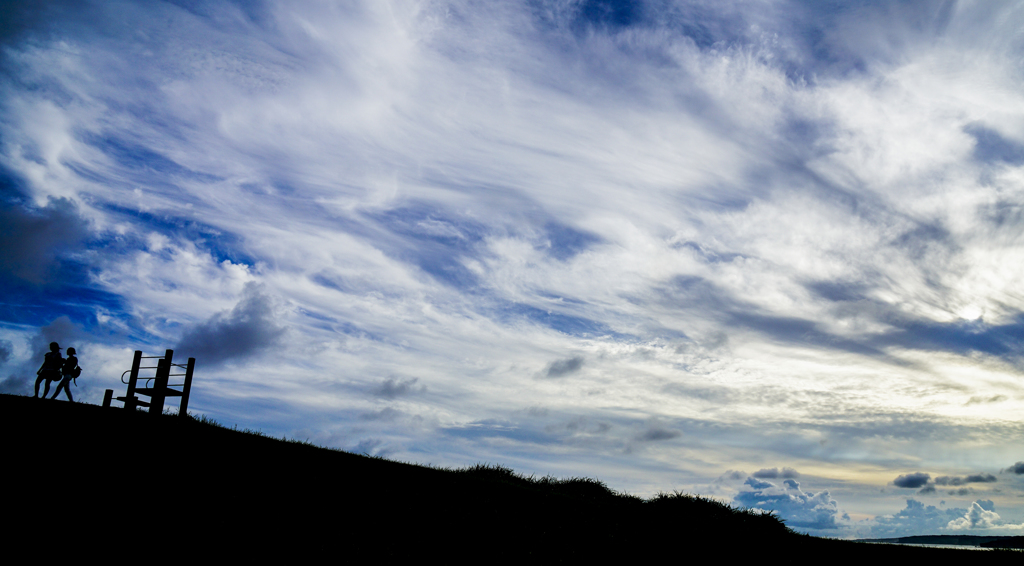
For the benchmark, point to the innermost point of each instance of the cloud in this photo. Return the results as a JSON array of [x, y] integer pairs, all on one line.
[[800, 509], [385, 414], [927, 485], [964, 480], [756, 484], [773, 473], [1017, 468], [976, 517], [246, 330], [732, 475], [915, 519], [6, 349], [564, 367], [981, 400], [392, 388], [656, 433], [34, 239], [912, 481]]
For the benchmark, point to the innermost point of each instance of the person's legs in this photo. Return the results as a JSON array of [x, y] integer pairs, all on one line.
[[39, 379], [65, 385], [46, 389]]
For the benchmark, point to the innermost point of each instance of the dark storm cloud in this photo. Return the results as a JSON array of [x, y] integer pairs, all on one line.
[[775, 473], [245, 330], [62, 330], [564, 367], [34, 239], [912, 481], [973, 478], [1017, 468], [391, 388], [46, 255]]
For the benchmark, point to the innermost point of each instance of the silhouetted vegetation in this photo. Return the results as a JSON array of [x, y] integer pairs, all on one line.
[[130, 483]]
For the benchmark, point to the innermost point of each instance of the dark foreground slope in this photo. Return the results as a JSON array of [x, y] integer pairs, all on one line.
[[105, 482]]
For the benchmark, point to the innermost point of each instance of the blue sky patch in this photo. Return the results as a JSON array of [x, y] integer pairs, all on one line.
[[565, 242], [221, 244], [145, 161]]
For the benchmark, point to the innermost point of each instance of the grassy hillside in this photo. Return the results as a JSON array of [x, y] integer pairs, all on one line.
[[89, 480]]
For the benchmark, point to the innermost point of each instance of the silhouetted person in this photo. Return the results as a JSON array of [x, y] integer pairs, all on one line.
[[70, 371], [50, 371]]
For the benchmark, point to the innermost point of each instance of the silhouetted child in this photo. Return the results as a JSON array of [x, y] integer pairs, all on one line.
[[70, 371], [51, 368]]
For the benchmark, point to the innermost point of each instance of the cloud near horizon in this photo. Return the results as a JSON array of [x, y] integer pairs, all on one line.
[[803, 511]]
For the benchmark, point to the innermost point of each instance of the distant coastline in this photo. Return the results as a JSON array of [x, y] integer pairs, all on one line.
[[954, 540]]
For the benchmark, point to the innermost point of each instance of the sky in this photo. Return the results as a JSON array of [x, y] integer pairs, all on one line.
[[763, 251]]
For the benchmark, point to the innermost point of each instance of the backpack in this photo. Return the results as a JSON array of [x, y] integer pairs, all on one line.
[[52, 362]]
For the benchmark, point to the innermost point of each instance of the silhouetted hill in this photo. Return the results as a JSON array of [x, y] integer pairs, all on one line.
[[91, 481]]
